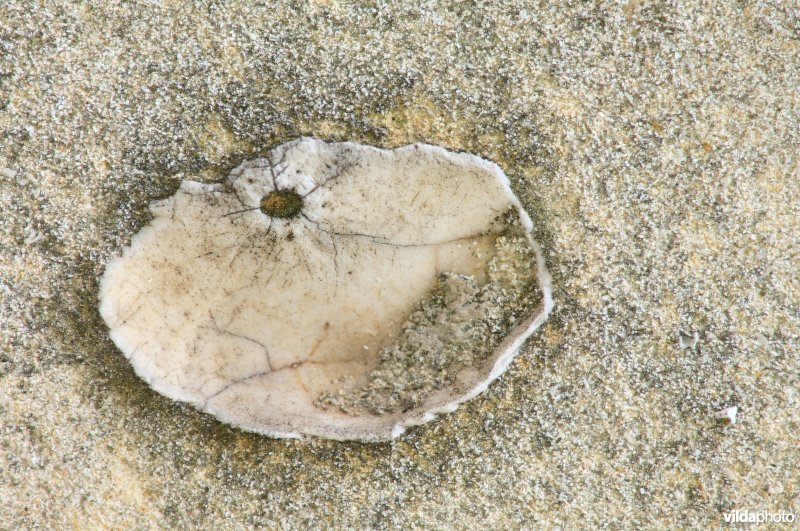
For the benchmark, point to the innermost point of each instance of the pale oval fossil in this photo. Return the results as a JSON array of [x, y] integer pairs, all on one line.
[[330, 289]]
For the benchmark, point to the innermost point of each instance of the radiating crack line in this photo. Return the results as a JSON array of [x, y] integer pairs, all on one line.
[[380, 240]]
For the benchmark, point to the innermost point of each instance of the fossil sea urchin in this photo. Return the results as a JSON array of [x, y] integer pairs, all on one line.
[[337, 290]]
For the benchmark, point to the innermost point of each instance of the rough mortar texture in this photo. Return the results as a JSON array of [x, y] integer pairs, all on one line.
[[654, 144]]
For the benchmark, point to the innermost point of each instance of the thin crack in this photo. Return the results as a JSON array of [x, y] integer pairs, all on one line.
[[239, 211], [335, 259], [290, 366], [316, 185], [380, 240], [234, 382], [135, 310], [216, 328], [340, 170], [273, 165], [136, 349]]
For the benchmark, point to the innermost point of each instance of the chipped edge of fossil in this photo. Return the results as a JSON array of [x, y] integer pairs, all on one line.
[[505, 353]]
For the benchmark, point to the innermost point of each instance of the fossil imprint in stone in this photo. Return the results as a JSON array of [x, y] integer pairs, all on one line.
[[337, 290]]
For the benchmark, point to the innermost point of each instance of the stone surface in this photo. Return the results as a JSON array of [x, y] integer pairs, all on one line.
[[655, 146]]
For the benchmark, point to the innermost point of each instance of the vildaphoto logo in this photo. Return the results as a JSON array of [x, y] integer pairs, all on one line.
[[758, 517]]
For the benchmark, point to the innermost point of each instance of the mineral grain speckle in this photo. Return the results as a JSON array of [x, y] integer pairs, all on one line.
[[654, 144]]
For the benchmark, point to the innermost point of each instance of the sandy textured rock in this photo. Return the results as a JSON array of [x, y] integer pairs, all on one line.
[[654, 145]]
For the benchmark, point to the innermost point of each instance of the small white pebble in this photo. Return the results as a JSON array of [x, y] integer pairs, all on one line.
[[688, 341], [728, 414]]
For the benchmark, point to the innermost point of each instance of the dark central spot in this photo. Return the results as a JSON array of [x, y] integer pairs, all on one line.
[[282, 204]]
